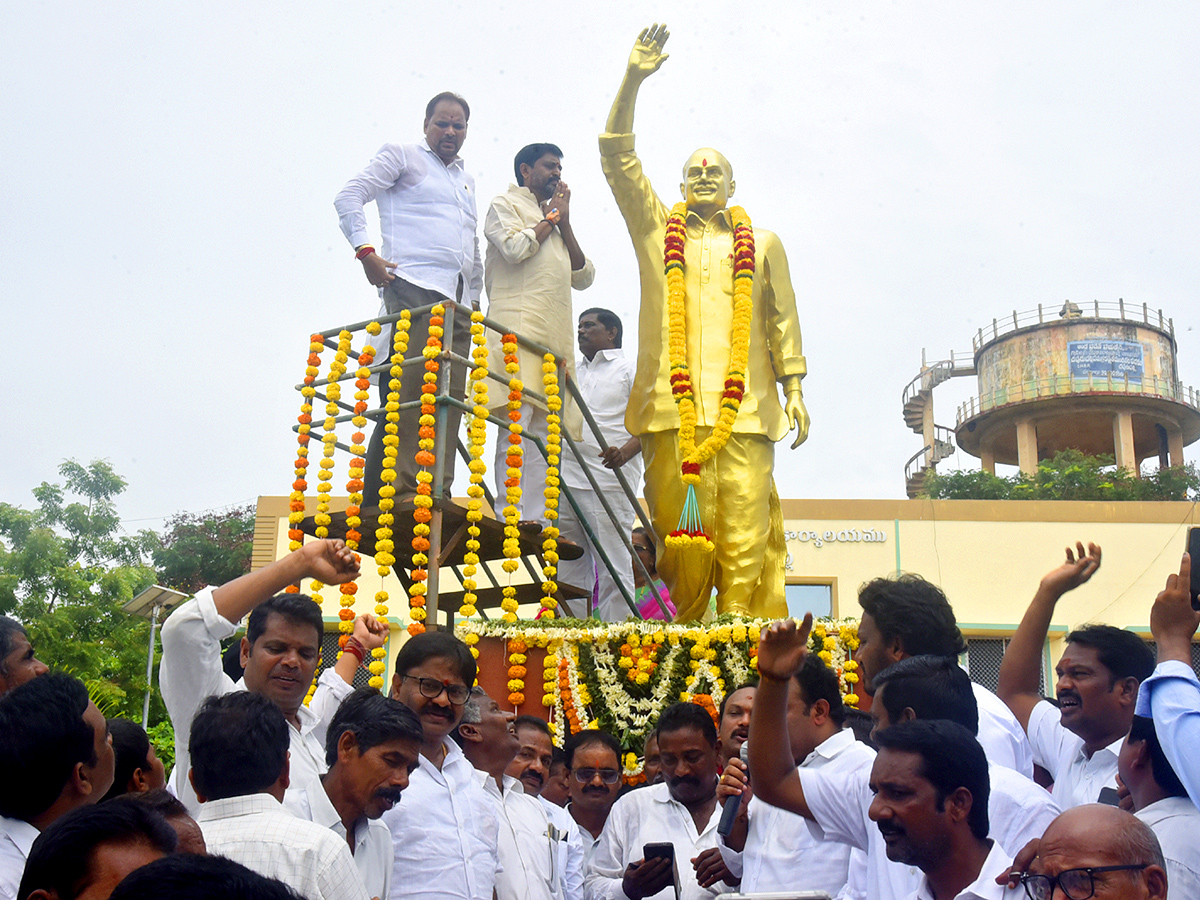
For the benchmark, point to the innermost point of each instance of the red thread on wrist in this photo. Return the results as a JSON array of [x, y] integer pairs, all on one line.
[[364, 251]]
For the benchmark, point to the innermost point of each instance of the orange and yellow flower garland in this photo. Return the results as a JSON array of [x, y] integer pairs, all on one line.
[[354, 487], [551, 491], [516, 671], [423, 501], [296, 500], [476, 435], [690, 531], [512, 483], [333, 393]]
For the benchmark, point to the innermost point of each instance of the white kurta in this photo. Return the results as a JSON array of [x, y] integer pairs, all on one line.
[[1078, 778]]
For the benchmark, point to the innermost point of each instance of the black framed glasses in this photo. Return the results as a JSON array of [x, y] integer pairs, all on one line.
[[608, 776], [432, 689], [1074, 884]]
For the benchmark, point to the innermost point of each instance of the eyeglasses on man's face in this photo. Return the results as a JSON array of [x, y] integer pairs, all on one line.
[[432, 689], [1074, 884], [608, 776]]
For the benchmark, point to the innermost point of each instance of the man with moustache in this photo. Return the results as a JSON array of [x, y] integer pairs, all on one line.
[[682, 812], [372, 748], [1079, 741], [444, 833], [532, 766], [605, 377], [530, 846], [594, 766], [430, 253], [278, 655], [734, 721], [18, 662]]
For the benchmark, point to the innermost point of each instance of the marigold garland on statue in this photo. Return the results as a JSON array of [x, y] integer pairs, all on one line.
[[512, 483], [690, 532], [423, 501], [476, 435], [354, 487], [296, 499], [551, 490]]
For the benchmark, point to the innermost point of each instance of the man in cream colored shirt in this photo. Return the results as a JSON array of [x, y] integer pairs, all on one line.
[[533, 262]]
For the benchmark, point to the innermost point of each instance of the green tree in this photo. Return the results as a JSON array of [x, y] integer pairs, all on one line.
[[66, 568], [199, 549], [1069, 475]]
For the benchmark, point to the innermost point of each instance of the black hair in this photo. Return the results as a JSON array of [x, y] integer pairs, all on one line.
[[530, 154], [859, 722], [588, 738], [686, 715], [533, 722], [437, 645], [131, 745], [933, 687], [559, 758], [238, 745], [162, 802], [609, 319], [62, 856], [1142, 729], [188, 877], [43, 736], [725, 699], [373, 719], [1122, 652], [8, 628], [298, 608], [916, 611], [950, 758], [447, 95], [819, 682]]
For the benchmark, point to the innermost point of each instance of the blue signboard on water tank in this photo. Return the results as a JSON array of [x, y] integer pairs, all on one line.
[[1100, 357]]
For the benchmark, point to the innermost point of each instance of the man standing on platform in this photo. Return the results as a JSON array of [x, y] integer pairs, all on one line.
[[430, 253], [705, 403], [605, 378], [533, 262]]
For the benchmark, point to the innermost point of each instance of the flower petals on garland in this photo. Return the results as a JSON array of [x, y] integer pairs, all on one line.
[[423, 501], [476, 435], [512, 483], [551, 491]]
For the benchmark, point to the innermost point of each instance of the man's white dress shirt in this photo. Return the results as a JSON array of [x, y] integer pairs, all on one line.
[[649, 815], [1175, 821], [16, 838], [1000, 734], [190, 672], [1018, 811], [781, 852], [1171, 696], [444, 833], [982, 888], [571, 865], [528, 843], [604, 382], [427, 217], [372, 840], [256, 831], [1078, 779]]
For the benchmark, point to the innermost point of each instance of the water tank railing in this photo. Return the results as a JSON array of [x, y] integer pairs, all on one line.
[[1119, 311], [911, 468], [1064, 385], [935, 373]]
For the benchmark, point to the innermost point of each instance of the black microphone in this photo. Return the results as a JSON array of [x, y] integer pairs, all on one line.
[[732, 804]]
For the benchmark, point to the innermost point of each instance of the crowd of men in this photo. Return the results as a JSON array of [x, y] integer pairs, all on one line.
[[436, 792]]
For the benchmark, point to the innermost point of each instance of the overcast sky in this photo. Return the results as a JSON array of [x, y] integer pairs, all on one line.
[[169, 171]]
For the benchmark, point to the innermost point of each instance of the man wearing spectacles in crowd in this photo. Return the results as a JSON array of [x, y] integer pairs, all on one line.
[[445, 830], [594, 780], [1097, 851]]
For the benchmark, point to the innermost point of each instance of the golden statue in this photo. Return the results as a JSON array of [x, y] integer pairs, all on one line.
[[717, 329]]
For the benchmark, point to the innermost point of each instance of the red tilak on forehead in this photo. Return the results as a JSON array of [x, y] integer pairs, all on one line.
[[704, 162]]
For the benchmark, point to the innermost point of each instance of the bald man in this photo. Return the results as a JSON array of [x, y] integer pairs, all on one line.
[[1120, 851]]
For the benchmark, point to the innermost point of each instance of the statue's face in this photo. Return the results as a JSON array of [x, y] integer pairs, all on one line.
[[707, 181]]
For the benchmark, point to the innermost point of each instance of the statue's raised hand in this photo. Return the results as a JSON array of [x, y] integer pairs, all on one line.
[[647, 53]]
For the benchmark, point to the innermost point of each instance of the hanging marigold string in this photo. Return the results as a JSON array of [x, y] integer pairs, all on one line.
[[423, 501], [512, 483], [333, 393], [551, 490], [296, 500], [516, 672], [476, 436], [384, 545], [354, 486], [690, 531]]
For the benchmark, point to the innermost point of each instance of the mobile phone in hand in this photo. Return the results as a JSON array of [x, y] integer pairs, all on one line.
[[1194, 552]]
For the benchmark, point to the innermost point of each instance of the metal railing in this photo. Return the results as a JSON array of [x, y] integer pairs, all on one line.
[[935, 374], [1117, 312], [1067, 385], [457, 315], [927, 455]]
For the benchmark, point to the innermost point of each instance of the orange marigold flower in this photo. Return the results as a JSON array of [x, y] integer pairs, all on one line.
[[424, 457], [422, 515], [345, 614]]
